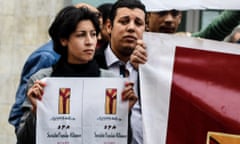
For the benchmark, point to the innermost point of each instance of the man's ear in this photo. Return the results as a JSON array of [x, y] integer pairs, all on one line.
[[108, 26], [180, 17], [107, 23], [64, 42], [147, 21]]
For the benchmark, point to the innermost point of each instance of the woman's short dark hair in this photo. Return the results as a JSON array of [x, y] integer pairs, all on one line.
[[66, 23], [131, 4]]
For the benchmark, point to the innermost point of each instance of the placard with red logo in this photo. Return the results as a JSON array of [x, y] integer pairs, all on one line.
[[82, 110]]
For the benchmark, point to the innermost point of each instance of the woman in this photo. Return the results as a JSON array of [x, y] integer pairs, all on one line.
[[74, 34]]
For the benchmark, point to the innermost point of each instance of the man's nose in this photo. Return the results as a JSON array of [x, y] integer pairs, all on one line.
[[131, 26], [169, 17]]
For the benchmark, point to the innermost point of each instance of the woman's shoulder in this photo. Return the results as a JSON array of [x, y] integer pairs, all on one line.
[[45, 72], [107, 73]]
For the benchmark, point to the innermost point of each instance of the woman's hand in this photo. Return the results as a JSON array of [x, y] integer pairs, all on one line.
[[36, 92], [129, 94]]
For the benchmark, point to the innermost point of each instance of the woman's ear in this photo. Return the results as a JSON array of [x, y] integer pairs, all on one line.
[[64, 42]]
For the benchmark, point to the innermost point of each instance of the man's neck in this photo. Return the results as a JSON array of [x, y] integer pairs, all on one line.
[[121, 57]]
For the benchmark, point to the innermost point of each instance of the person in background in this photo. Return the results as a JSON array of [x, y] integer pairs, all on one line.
[[43, 57], [234, 37], [128, 22], [104, 36], [164, 21], [169, 21], [74, 33]]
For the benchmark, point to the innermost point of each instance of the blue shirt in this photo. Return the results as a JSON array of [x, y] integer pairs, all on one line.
[[43, 57]]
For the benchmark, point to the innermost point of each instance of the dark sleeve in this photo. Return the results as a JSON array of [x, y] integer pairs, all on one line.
[[26, 133], [38, 60], [221, 26]]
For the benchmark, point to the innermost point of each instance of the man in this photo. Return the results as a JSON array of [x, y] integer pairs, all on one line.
[[104, 36], [43, 57], [164, 21], [126, 29], [218, 29]]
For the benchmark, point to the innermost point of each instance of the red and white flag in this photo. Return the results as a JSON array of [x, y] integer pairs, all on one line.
[[189, 86]]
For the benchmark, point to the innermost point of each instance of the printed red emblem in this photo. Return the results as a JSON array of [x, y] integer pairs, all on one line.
[[64, 100], [111, 101]]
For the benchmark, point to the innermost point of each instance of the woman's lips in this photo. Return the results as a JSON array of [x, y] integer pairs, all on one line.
[[89, 51]]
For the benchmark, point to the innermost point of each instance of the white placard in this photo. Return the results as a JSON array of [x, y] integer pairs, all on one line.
[[82, 111]]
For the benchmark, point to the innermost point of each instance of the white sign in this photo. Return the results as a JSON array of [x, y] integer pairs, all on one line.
[[82, 110]]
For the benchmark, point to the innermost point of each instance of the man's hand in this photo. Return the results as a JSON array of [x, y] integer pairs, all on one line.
[[139, 55], [129, 94]]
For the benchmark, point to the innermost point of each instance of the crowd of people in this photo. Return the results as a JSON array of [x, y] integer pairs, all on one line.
[[93, 42]]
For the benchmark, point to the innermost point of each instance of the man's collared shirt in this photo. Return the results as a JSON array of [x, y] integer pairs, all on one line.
[[136, 118]]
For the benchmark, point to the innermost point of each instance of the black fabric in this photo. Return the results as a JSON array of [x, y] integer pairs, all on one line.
[[139, 92], [100, 57], [129, 141], [64, 69], [122, 70], [27, 135]]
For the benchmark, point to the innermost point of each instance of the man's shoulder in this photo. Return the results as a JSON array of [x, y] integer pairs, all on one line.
[[46, 49], [44, 52]]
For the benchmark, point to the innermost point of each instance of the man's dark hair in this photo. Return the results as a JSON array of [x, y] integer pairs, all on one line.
[[131, 4], [66, 23], [105, 10]]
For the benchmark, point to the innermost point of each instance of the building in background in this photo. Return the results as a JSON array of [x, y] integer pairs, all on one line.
[[24, 27]]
